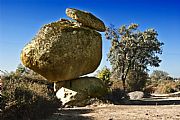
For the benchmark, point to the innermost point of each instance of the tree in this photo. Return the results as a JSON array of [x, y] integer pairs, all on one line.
[[21, 69], [104, 75], [132, 49], [136, 80], [159, 75]]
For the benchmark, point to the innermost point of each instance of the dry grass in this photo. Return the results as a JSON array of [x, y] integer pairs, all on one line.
[[167, 86], [27, 99]]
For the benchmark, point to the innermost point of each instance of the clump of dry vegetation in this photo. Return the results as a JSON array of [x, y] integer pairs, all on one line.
[[167, 86], [26, 98]]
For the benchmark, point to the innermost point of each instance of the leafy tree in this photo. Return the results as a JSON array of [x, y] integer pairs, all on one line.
[[136, 80], [159, 75], [21, 69], [132, 49], [104, 75]]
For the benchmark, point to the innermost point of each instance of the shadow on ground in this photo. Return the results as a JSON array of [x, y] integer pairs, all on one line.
[[152, 102], [72, 114]]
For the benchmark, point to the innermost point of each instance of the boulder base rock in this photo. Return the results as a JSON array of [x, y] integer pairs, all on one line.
[[89, 86], [78, 92], [87, 19], [70, 97], [63, 50]]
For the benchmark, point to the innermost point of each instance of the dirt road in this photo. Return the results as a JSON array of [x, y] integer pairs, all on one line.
[[119, 112]]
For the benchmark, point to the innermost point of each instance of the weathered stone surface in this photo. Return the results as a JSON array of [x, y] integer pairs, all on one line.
[[86, 18], [136, 95], [70, 97], [63, 50], [78, 92], [89, 86]]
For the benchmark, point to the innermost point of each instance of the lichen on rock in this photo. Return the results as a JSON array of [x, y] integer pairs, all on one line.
[[63, 50], [78, 91], [87, 19]]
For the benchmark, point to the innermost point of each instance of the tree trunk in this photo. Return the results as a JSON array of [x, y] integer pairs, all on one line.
[[124, 84]]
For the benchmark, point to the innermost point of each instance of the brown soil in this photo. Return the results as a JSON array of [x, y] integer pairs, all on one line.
[[119, 112]]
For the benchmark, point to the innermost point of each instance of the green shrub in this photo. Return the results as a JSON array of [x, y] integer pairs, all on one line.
[[25, 98], [116, 96], [104, 75]]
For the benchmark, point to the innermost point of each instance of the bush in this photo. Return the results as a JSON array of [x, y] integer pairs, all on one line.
[[136, 80], [116, 96], [104, 75], [25, 98], [167, 86], [149, 89]]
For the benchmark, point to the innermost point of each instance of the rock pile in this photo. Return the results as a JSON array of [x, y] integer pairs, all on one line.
[[64, 50]]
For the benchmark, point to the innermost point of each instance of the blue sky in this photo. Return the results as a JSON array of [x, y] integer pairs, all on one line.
[[21, 19]]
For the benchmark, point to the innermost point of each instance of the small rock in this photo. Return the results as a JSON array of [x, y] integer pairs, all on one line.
[[69, 97], [136, 95], [86, 18]]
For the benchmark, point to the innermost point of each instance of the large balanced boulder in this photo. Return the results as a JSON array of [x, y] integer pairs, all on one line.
[[88, 86], [87, 19], [63, 50]]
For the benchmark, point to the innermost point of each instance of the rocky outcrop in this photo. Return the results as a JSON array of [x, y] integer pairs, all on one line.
[[63, 50], [78, 92], [89, 86], [87, 19]]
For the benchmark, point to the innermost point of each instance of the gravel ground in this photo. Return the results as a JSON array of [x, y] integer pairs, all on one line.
[[119, 112]]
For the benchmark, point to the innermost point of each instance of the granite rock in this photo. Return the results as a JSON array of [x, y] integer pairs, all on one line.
[[87, 19]]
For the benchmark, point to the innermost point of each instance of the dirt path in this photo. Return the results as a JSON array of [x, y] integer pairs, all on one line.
[[119, 112]]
